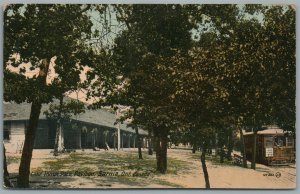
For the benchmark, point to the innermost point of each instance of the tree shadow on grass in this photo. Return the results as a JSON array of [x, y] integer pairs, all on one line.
[[111, 162]]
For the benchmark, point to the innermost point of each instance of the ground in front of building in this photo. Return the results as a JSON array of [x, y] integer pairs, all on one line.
[[123, 169]]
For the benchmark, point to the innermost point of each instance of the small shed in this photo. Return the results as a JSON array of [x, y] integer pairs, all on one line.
[[274, 146]]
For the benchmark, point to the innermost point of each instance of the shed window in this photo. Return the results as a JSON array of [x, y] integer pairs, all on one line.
[[280, 141], [269, 142], [289, 141]]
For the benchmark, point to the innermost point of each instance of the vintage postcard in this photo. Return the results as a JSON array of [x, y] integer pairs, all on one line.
[[143, 96]]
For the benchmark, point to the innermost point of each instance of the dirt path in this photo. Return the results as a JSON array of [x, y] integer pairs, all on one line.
[[233, 176]]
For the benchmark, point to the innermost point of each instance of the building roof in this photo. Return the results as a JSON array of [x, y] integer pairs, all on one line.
[[14, 111], [268, 131]]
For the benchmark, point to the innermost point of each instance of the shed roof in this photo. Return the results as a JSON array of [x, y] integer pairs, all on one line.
[[14, 111], [268, 131]]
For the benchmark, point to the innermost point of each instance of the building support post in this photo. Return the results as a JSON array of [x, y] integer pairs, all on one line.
[[119, 137], [134, 141], [129, 140], [122, 141]]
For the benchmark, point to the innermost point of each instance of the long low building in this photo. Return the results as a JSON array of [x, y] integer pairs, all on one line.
[[94, 128]]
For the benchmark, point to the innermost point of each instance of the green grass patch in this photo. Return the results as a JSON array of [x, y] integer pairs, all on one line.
[[213, 159], [76, 160], [55, 165], [174, 166], [12, 159], [195, 156], [127, 162], [38, 170], [216, 160]]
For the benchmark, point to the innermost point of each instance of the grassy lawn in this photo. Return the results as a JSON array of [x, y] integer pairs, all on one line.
[[121, 162], [215, 160], [12, 159]]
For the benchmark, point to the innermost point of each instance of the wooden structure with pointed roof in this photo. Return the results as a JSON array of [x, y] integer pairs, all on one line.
[[274, 146]]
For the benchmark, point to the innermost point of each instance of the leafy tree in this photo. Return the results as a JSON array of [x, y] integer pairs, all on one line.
[[43, 35], [227, 82], [256, 50], [205, 86], [280, 50], [141, 62]]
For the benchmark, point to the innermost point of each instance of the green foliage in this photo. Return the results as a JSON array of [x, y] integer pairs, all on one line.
[[240, 71], [65, 112], [43, 35], [141, 62]]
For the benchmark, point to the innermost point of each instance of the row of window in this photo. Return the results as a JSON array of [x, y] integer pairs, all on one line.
[[279, 141]]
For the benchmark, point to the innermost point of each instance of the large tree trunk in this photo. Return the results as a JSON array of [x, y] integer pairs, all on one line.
[[194, 148], [7, 183], [243, 149], [158, 154], [139, 143], [204, 168], [154, 146], [222, 153], [294, 138], [161, 153], [253, 162], [221, 143], [150, 150], [24, 169], [59, 140], [164, 146], [230, 147]]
